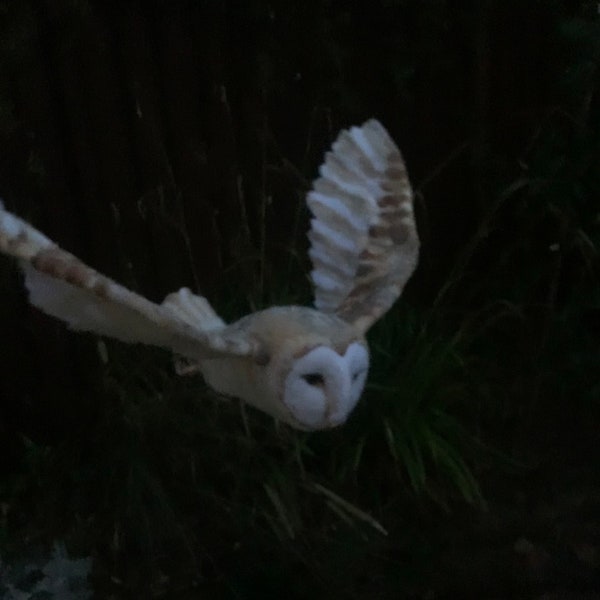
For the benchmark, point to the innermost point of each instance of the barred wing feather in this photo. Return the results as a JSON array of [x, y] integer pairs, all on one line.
[[364, 242], [64, 287]]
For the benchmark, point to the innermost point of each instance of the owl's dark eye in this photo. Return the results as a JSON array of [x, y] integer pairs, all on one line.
[[356, 375], [313, 378]]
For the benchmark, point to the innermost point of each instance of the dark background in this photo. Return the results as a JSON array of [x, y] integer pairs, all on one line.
[[170, 144]]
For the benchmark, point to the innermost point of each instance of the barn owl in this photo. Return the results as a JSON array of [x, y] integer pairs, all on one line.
[[304, 366]]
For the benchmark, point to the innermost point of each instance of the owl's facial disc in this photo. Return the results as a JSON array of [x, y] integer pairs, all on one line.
[[323, 387]]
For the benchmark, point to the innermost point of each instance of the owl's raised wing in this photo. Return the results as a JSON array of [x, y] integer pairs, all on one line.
[[364, 242], [62, 286]]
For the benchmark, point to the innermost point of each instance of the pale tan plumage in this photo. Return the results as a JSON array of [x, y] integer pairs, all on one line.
[[301, 365]]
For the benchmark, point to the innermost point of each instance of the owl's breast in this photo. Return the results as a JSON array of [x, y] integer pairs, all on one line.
[[229, 376], [243, 378]]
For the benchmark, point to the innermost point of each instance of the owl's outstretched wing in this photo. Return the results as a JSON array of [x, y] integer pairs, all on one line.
[[62, 286], [364, 242]]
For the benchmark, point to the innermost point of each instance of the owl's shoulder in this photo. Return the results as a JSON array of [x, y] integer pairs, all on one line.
[[297, 325]]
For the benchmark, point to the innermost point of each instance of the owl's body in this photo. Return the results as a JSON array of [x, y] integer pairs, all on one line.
[[305, 366]]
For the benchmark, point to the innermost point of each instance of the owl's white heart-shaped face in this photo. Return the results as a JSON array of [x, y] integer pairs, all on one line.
[[323, 387]]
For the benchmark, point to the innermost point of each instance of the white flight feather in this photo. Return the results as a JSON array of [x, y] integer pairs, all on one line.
[[336, 237], [374, 158], [337, 206]]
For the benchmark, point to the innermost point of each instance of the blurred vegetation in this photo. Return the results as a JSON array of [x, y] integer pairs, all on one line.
[[171, 144]]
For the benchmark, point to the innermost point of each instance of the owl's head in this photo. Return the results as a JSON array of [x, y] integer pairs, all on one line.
[[315, 367], [323, 385]]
